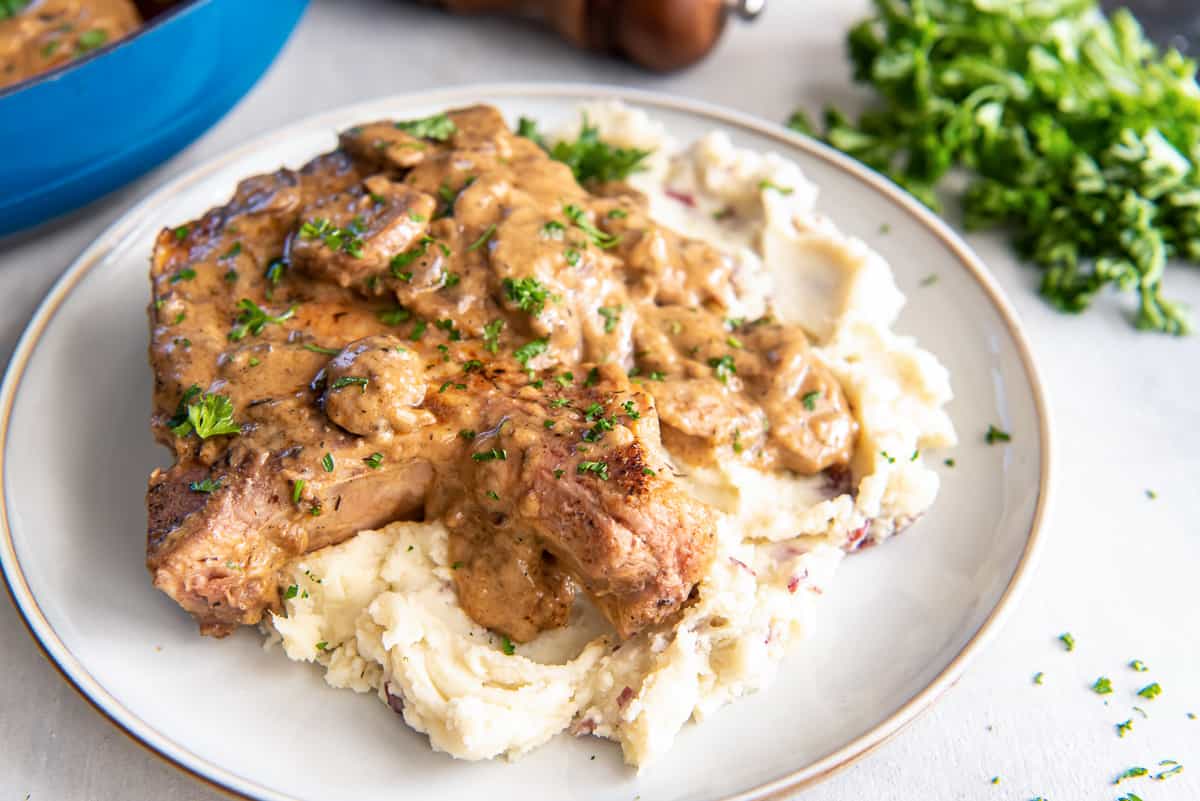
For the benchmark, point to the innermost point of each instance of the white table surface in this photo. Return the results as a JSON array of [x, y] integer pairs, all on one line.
[[1119, 570]]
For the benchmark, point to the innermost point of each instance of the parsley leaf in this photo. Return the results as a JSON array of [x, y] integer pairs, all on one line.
[[347, 240], [210, 416], [254, 318], [529, 294], [589, 158], [439, 127]]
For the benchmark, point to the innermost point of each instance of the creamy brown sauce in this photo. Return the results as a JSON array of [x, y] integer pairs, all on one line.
[[457, 330], [49, 33]]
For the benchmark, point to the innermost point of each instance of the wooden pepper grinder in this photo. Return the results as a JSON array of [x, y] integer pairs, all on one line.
[[660, 35]]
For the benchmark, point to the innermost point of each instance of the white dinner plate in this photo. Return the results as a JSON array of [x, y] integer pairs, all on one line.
[[900, 626]]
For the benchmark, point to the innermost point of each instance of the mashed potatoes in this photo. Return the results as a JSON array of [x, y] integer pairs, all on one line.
[[379, 612]]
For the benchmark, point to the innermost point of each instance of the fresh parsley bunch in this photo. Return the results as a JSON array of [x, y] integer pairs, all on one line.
[[1080, 135]]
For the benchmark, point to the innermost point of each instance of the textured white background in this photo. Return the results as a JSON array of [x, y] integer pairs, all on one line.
[[1119, 570]]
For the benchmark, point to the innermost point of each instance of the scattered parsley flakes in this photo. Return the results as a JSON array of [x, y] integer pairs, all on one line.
[[559, 473], [506, 645], [181, 233], [207, 485], [495, 454], [327, 462], [1039, 678], [438, 127], [393, 316], [374, 460], [1067, 640], [929, 280], [995, 435], [491, 336], [350, 381], [529, 294], [723, 367], [766, 184], [599, 238], [457, 565], [1103, 686], [1131, 773], [322, 646], [809, 399], [318, 349], [1173, 768], [949, 462], [1138, 665], [598, 469], [553, 230], [1124, 727], [483, 238], [493, 495], [347, 240], [589, 158], [186, 274], [890, 459], [418, 330], [297, 489], [530, 350], [572, 256], [253, 318], [1150, 691], [1151, 494], [210, 416], [611, 315], [292, 592]]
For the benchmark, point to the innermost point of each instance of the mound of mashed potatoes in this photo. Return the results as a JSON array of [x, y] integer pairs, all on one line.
[[379, 612]]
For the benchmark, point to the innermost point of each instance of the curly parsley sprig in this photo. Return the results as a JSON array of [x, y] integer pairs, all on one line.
[[1080, 135]]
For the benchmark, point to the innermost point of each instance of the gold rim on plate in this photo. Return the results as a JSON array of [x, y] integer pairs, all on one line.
[[220, 779]]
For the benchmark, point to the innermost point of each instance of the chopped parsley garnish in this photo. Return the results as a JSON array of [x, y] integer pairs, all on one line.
[[809, 399], [611, 315], [506, 645], [90, 40], [995, 435], [559, 402], [231, 275], [457, 565], [589, 158], [1138, 665], [1173, 768], [347, 240], [327, 462], [254, 361], [617, 214], [887, 456], [593, 377], [274, 272], [471, 365], [1124, 727], [646, 471], [547, 423], [631, 410], [234, 251], [350, 381], [1039, 678], [530, 350], [598, 469], [572, 256], [723, 367], [659, 375], [253, 318], [493, 495], [491, 336], [565, 379], [734, 342], [186, 274], [297, 489], [181, 233], [553, 230], [318, 349], [1151, 494], [1067, 640], [210, 416], [402, 260], [559, 473], [292, 592], [1150, 691], [1103, 686], [418, 330], [949, 462], [737, 441], [483, 238], [374, 460], [467, 434], [929, 280], [599, 238], [1132, 773], [450, 279], [450, 384], [447, 325], [207, 485], [439, 127], [393, 316], [766, 184], [495, 454], [529, 294], [322, 646]]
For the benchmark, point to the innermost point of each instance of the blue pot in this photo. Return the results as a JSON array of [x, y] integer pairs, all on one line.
[[88, 127]]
